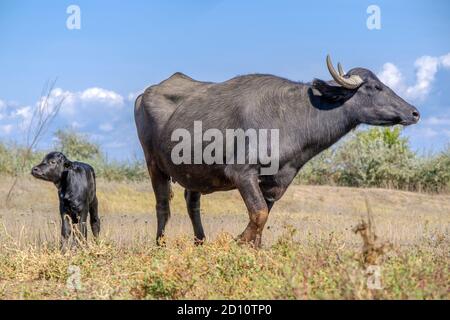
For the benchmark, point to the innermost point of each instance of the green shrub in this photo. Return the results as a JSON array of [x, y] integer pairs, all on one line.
[[77, 146], [378, 157], [433, 174], [17, 160], [318, 170]]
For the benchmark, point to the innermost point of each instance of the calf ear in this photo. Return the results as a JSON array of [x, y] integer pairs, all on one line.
[[332, 93], [67, 164]]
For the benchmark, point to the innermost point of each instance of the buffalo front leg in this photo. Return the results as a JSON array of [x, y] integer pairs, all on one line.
[[163, 194], [193, 207], [257, 210]]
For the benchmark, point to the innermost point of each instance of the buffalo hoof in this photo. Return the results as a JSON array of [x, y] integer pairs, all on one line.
[[252, 240], [161, 241], [199, 242]]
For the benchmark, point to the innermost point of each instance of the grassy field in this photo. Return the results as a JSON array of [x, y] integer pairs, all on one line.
[[310, 250]]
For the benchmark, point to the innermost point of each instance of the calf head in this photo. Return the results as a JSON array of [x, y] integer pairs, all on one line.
[[52, 167]]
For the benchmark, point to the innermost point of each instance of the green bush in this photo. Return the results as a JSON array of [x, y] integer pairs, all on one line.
[[433, 175], [17, 160], [77, 147], [318, 170], [378, 157]]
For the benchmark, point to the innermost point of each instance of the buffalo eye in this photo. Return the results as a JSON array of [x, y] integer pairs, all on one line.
[[378, 87], [52, 162]]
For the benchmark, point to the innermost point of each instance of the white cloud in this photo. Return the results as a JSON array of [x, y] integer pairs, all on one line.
[[76, 125], [6, 129], [434, 128], [75, 101], [94, 111], [437, 121], [391, 76], [2, 109], [447, 132], [24, 114], [132, 96], [115, 145], [445, 60], [426, 69], [428, 132], [106, 127], [13, 115], [82, 109], [102, 96], [55, 97]]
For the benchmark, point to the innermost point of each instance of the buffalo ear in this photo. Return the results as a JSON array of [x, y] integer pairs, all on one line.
[[332, 93]]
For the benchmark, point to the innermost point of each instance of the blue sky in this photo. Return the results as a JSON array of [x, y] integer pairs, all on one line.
[[125, 46]]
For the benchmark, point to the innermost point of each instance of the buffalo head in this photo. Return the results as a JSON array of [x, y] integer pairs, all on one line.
[[372, 102]]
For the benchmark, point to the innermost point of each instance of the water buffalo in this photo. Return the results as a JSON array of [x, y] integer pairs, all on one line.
[[309, 117], [76, 186]]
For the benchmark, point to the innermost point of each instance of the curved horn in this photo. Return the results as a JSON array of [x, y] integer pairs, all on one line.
[[350, 83], [340, 70]]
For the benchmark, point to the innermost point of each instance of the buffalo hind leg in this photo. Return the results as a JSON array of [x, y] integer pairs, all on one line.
[[257, 209], [163, 194], [193, 207]]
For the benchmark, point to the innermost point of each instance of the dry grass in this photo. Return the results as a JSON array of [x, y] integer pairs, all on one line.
[[310, 249]]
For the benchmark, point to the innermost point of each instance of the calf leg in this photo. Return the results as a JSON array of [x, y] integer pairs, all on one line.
[[193, 207], [163, 194], [94, 218], [82, 226], [66, 231], [257, 209]]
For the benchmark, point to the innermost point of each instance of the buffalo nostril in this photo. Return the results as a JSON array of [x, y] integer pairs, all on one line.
[[416, 115]]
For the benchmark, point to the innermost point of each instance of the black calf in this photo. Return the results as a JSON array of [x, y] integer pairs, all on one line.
[[75, 182]]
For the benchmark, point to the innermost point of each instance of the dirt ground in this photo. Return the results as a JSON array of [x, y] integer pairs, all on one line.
[[127, 213]]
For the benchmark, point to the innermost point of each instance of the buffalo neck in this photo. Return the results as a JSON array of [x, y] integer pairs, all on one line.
[[321, 124]]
